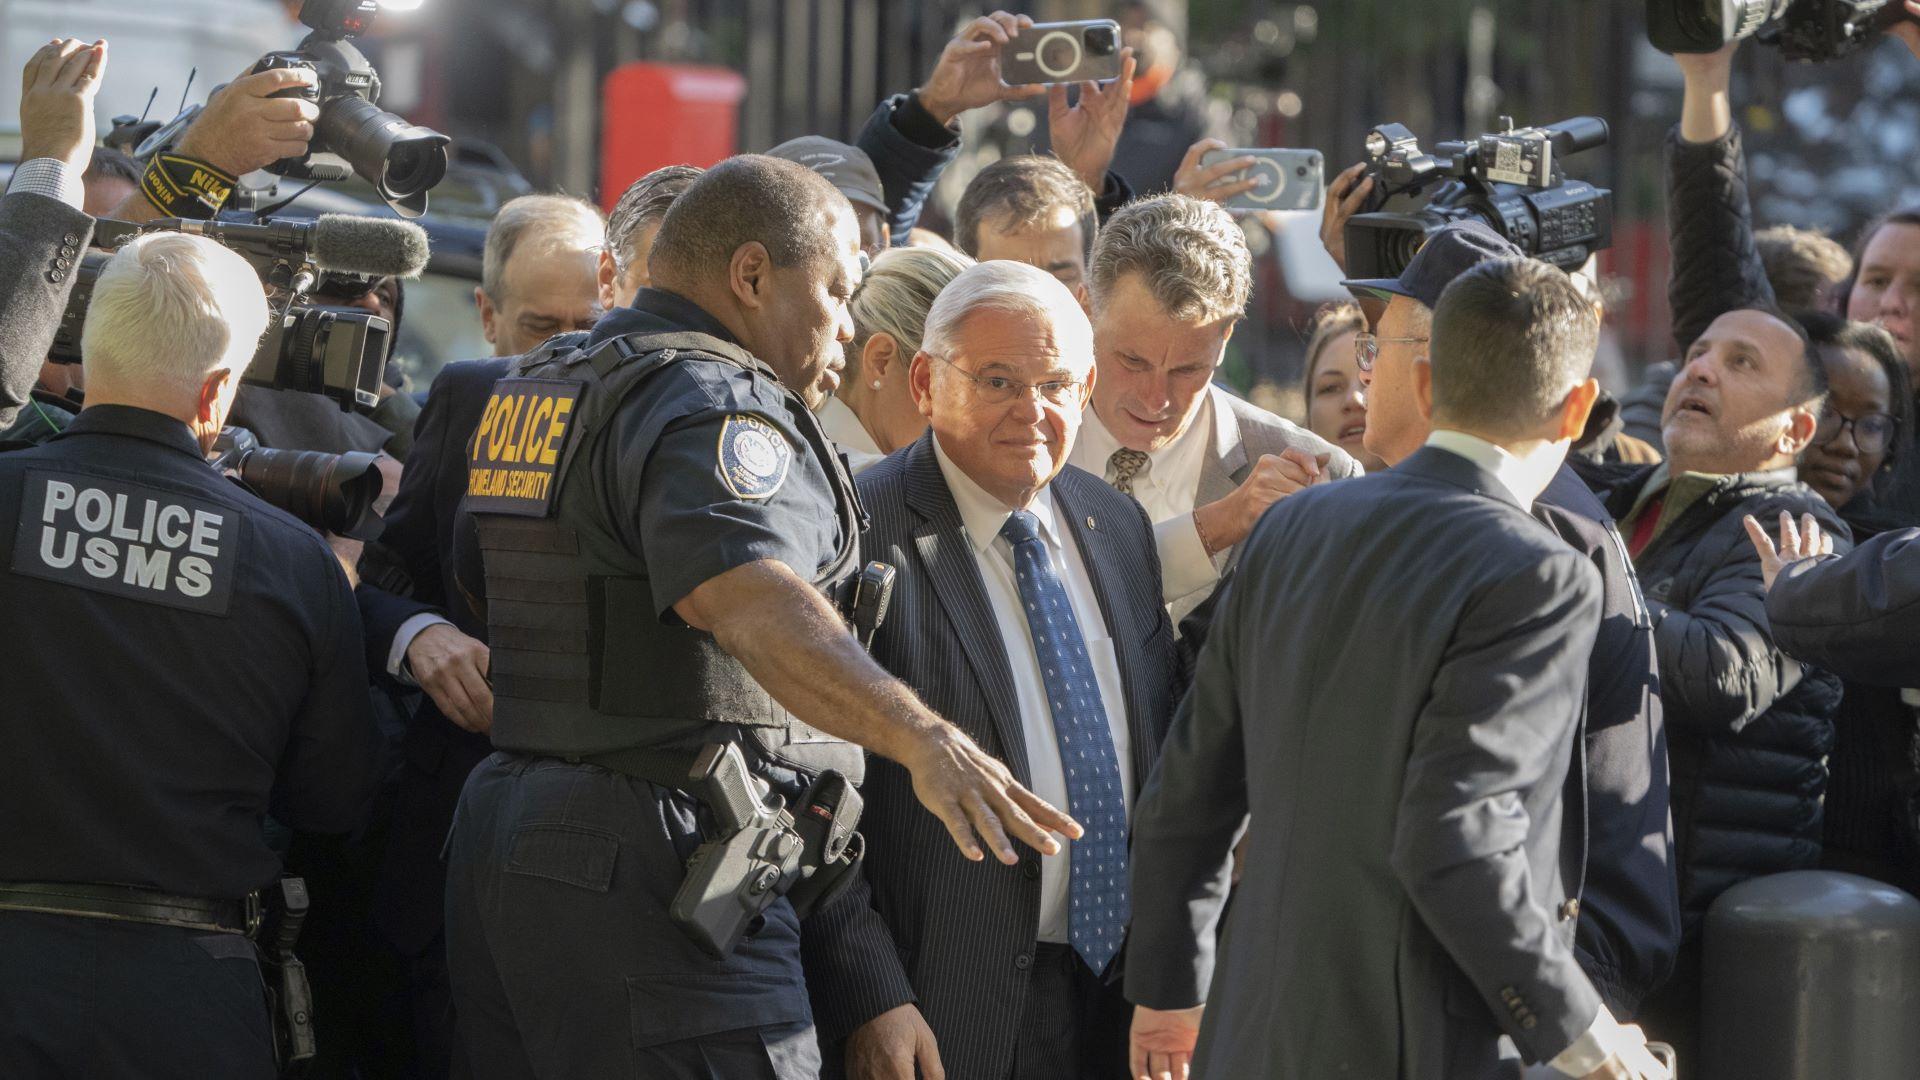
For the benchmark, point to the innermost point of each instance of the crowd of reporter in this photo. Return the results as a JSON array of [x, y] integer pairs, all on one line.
[[433, 729]]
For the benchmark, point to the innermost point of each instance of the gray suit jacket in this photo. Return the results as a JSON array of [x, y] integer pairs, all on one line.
[[963, 933], [1391, 689], [1261, 432], [41, 241], [1230, 460]]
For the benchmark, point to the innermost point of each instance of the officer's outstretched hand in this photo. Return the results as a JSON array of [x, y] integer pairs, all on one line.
[[888, 1047], [971, 792], [452, 668]]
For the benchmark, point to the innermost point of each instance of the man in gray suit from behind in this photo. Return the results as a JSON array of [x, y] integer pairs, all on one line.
[[1169, 279], [43, 231], [1391, 690]]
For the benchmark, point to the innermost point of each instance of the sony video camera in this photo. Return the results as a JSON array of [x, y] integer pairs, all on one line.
[[1511, 179], [338, 352], [1807, 30], [354, 135]]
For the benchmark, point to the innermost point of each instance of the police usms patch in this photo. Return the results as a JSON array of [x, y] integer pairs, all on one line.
[[754, 456]]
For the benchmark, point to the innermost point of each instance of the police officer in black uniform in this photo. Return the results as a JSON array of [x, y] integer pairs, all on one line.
[[662, 519], [187, 661]]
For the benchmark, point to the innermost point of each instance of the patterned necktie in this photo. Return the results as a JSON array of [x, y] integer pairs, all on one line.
[[1124, 465], [1097, 862]]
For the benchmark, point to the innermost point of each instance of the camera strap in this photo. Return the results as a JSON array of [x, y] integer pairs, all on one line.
[[186, 187]]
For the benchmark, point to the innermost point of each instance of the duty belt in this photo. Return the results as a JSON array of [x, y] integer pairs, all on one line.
[[125, 903]]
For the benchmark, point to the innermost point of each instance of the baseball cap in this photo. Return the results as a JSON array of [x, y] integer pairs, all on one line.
[[847, 168], [1449, 251]]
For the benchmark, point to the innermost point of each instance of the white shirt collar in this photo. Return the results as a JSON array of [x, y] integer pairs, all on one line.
[[1523, 477], [843, 426], [983, 514], [1096, 444]]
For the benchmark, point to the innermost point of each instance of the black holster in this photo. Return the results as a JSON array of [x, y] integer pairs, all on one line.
[[289, 998]]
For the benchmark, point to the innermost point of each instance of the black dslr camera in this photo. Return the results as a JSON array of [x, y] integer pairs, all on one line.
[[1808, 30], [354, 135], [1511, 179]]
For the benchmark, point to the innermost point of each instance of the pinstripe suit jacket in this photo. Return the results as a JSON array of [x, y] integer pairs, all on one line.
[[964, 933]]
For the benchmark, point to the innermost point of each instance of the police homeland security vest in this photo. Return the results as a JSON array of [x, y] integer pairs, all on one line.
[[580, 664]]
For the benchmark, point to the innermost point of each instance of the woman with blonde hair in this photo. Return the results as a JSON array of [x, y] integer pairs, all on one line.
[[873, 413]]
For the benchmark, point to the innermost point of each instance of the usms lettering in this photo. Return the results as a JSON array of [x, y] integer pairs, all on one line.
[[126, 539], [516, 450]]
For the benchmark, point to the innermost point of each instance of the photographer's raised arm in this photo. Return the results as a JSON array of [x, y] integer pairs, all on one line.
[[1708, 214], [42, 229], [243, 128], [913, 137]]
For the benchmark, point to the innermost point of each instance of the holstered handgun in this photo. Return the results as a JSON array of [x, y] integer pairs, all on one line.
[[755, 858], [289, 998], [760, 851]]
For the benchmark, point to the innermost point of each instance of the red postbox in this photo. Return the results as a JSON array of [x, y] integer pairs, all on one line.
[[653, 115]]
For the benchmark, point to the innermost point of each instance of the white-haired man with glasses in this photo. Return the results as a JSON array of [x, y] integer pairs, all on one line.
[[1027, 611]]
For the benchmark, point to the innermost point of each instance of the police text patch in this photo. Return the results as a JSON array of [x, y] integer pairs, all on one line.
[[514, 457], [754, 456], [126, 539]]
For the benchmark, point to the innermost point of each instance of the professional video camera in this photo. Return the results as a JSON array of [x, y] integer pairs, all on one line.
[[354, 135], [1808, 30], [1512, 180], [338, 352]]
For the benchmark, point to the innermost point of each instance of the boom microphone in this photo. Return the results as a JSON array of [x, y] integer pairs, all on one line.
[[343, 243], [363, 245]]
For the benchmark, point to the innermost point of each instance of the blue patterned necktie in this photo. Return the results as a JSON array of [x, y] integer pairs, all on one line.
[[1097, 863]]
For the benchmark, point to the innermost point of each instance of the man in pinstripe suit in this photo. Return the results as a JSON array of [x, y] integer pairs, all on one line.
[[1028, 612]]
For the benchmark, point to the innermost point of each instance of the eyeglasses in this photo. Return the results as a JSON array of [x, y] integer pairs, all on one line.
[[1872, 432], [1366, 348], [998, 389]]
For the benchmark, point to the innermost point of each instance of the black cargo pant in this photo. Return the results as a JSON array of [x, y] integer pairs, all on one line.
[[563, 960], [94, 997]]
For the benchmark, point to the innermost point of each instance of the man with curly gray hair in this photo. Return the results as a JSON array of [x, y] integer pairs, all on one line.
[[1170, 278]]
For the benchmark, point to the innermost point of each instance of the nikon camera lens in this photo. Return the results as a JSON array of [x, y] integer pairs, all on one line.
[[404, 160]]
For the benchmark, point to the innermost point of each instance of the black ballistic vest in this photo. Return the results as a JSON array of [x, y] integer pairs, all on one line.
[[580, 663]]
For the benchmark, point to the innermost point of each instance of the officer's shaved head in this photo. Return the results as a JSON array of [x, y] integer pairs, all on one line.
[[786, 207]]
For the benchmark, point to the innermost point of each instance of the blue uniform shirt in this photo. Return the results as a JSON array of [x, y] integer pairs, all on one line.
[[185, 660]]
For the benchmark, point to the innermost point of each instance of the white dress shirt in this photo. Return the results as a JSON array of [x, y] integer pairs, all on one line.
[[1524, 478], [843, 426], [983, 515], [1167, 488]]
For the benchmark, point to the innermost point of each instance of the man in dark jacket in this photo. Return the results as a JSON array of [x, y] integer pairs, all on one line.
[[1857, 616], [1616, 855], [1749, 728]]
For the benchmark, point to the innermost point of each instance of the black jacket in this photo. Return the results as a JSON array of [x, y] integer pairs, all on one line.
[[1749, 728], [1617, 855]]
